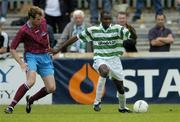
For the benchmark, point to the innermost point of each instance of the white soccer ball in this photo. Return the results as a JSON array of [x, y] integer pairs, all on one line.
[[140, 106]]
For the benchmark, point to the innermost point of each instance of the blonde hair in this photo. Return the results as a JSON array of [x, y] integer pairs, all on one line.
[[34, 10], [78, 12]]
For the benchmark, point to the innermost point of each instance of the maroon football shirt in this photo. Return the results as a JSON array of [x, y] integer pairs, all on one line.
[[35, 39]]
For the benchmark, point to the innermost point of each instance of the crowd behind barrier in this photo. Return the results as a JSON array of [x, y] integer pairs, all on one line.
[[142, 41], [16, 4]]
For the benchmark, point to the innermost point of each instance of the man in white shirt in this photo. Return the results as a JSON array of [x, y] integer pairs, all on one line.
[[57, 13]]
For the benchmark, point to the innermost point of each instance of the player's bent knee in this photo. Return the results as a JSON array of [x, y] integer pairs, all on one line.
[[51, 89], [30, 83], [104, 74], [103, 70]]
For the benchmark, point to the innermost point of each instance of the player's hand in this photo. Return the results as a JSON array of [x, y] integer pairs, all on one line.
[[24, 67], [52, 51]]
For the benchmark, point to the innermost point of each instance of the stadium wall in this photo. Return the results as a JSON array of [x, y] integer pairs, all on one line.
[[155, 80], [11, 77]]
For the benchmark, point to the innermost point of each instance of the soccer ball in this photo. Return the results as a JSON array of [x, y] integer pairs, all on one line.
[[140, 106]]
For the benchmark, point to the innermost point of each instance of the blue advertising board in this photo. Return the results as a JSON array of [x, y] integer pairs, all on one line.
[[156, 80]]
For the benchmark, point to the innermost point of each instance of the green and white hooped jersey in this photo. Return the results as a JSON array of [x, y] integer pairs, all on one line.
[[106, 43]]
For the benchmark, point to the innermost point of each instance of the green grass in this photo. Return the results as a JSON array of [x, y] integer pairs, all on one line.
[[85, 113]]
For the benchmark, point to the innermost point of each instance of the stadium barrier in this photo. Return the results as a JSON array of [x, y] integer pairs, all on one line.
[[153, 77], [155, 80], [11, 77]]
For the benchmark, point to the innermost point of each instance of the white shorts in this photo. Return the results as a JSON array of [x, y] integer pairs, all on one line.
[[114, 65]]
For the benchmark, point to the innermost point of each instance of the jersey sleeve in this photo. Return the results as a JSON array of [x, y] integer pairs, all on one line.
[[124, 33], [17, 39], [85, 36]]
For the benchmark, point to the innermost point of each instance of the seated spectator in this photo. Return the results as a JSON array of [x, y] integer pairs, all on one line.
[[178, 6], [3, 10], [160, 37], [73, 28], [178, 19], [4, 42], [129, 45]]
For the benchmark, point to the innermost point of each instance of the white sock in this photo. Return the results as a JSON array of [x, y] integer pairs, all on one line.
[[100, 89], [122, 101]]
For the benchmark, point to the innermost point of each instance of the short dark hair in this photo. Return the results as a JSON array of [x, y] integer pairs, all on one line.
[[160, 14], [33, 11], [105, 12]]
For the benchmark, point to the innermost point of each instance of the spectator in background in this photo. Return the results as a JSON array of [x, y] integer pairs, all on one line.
[[130, 44], [107, 6], [160, 37], [178, 6], [3, 10], [178, 19], [37, 2], [4, 42], [73, 28], [140, 5], [57, 12]]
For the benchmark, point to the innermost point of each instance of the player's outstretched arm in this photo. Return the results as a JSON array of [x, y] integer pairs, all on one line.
[[65, 44]]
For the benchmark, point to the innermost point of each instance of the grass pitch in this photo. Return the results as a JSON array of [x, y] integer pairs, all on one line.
[[85, 113]]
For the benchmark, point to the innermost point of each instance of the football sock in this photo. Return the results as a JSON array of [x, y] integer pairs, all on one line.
[[122, 101], [41, 93], [19, 94], [99, 90]]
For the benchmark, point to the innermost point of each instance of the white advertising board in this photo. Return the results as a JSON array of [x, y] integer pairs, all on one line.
[[11, 77]]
